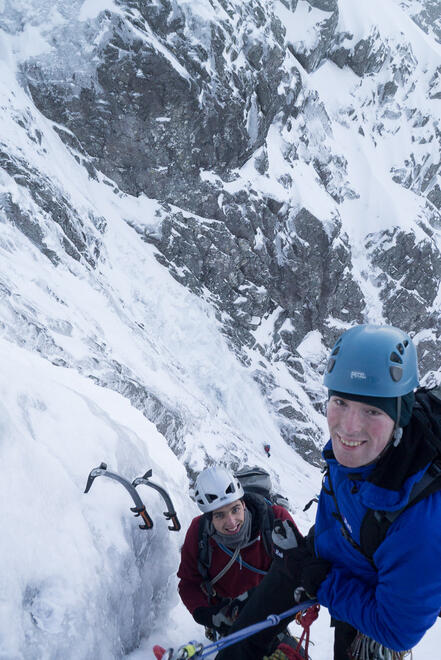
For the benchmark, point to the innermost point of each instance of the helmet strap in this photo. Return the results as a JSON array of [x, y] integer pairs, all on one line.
[[398, 431]]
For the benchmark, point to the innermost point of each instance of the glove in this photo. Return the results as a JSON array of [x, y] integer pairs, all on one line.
[[222, 620], [298, 559], [204, 615], [221, 616], [313, 571], [227, 615], [288, 547], [237, 604]]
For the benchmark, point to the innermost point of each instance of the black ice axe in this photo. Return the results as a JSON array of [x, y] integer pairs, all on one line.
[[171, 513], [139, 508]]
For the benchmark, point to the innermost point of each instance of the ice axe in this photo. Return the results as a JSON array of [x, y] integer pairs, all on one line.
[[139, 508], [171, 513]]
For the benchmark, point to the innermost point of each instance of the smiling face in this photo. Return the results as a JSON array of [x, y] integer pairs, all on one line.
[[229, 518], [359, 432]]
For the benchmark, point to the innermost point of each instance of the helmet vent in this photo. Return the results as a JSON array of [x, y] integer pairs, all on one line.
[[330, 365], [211, 497], [230, 489], [394, 357], [396, 373]]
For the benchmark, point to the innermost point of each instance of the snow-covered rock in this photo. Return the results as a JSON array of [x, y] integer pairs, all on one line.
[[196, 198]]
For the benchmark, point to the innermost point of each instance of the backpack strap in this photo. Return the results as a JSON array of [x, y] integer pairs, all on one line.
[[266, 528], [234, 557], [375, 524], [343, 526], [204, 556]]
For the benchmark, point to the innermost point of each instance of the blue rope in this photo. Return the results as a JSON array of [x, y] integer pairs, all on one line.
[[234, 638], [241, 561]]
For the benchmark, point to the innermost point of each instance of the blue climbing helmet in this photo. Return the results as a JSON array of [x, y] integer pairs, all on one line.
[[373, 360]]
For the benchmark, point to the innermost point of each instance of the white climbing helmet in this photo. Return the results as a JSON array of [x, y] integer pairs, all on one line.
[[215, 487]]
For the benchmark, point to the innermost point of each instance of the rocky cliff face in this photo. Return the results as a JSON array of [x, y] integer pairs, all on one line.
[[293, 151]]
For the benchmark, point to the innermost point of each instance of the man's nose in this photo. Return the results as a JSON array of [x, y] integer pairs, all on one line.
[[352, 421]]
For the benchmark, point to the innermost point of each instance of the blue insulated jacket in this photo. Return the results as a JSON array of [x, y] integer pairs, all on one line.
[[399, 601]]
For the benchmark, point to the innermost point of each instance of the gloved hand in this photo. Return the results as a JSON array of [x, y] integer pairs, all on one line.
[[238, 603], [228, 614], [288, 547], [204, 615], [312, 573], [223, 615], [298, 559], [313, 569], [222, 620]]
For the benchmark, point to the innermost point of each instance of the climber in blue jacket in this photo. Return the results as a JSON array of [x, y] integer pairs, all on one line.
[[375, 566], [378, 451]]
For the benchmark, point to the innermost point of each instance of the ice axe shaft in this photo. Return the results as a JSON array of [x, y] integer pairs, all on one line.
[[170, 514], [139, 508]]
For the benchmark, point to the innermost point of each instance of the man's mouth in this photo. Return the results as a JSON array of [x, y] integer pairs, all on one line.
[[233, 530], [349, 443]]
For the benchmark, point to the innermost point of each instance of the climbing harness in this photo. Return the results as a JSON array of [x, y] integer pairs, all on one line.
[[365, 648]]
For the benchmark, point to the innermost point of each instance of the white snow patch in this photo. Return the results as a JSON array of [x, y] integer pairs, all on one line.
[[303, 25]]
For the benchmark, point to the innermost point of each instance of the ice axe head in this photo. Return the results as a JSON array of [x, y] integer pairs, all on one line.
[[93, 474]]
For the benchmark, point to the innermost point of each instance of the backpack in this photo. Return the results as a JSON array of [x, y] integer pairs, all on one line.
[[256, 483], [375, 524], [257, 480]]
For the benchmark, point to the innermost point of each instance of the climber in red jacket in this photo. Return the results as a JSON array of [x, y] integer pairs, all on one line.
[[227, 550]]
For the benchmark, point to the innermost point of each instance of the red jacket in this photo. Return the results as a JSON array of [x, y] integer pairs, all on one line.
[[236, 580]]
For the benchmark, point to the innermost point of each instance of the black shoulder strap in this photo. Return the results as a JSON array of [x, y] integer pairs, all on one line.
[[204, 555], [339, 518], [375, 524], [266, 528], [262, 509]]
